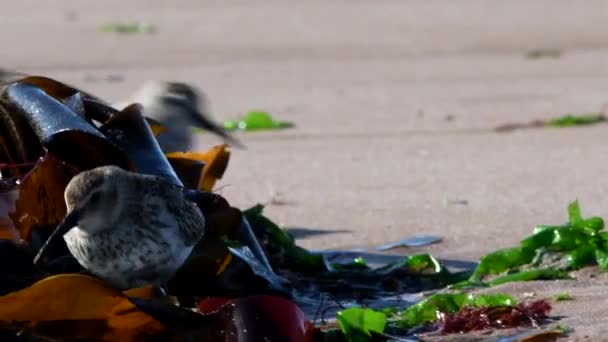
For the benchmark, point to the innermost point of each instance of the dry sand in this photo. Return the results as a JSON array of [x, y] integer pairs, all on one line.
[[394, 103]]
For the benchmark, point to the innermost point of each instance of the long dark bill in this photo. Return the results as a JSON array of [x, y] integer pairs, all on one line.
[[202, 121], [70, 220]]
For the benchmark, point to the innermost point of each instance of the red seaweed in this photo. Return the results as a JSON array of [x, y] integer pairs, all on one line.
[[497, 317]]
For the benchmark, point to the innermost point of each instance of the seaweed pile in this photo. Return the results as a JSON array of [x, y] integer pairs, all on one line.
[[246, 280]]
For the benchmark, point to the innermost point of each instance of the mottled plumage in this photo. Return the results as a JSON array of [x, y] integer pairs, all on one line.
[[132, 229], [179, 107]]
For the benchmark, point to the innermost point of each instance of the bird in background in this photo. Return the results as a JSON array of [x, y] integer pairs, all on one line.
[[129, 229], [180, 108]]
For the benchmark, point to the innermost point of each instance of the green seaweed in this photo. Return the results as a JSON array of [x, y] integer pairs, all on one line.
[[254, 121], [563, 328], [576, 120], [551, 252], [358, 323], [358, 263], [562, 297], [501, 261], [427, 310], [576, 244], [418, 263], [128, 28], [540, 274], [280, 242]]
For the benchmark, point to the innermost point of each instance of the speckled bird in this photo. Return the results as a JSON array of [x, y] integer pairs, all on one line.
[[179, 107], [129, 229]]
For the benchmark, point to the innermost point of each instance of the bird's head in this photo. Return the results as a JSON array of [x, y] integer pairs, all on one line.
[[192, 101], [97, 197], [179, 92], [180, 107]]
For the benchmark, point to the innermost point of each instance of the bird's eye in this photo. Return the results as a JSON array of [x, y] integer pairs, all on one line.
[[95, 197]]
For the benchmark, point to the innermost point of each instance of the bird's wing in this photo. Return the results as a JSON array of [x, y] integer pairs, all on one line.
[[192, 223], [190, 218]]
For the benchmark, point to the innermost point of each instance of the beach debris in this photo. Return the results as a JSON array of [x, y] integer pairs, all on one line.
[[129, 28], [414, 241], [543, 53], [246, 279], [569, 120], [256, 121]]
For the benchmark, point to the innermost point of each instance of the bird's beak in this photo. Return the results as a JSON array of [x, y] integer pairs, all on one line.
[[203, 122], [200, 119], [69, 221]]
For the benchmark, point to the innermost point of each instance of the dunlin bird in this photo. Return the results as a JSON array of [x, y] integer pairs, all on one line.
[[179, 107], [128, 228]]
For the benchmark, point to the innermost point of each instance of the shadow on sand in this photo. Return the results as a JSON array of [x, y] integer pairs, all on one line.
[[304, 233]]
